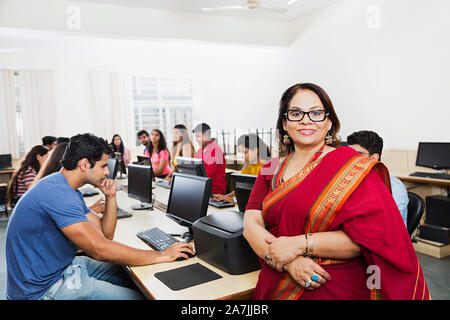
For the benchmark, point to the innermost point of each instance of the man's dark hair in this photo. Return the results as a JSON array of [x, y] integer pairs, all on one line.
[[62, 139], [140, 133], [203, 128], [48, 140], [369, 140], [84, 146]]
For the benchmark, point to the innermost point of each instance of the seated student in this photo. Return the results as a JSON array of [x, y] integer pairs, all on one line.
[[49, 142], [53, 164], [182, 146], [23, 178], [44, 265], [118, 146], [370, 145], [144, 138], [159, 155], [254, 150], [213, 158]]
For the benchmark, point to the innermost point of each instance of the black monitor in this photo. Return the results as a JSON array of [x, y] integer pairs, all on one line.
[[243, 187], [188, 200], [434, 155], [112, 168], [121, 164], [145, 161], [192, 166], [5, 161], [140, 186]]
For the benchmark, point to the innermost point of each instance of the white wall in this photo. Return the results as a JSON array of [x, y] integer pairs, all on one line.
[[395, 80], [237, 86]]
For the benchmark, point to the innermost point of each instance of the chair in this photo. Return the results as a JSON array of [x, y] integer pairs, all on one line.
[[416, 207], [3, 192]]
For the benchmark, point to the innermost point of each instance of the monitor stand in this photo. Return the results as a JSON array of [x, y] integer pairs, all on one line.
[[142, 206], [187, 236]]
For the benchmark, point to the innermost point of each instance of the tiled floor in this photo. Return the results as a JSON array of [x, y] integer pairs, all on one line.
[[436, 271]]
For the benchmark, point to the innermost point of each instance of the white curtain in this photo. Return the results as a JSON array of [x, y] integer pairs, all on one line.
[[112, 107], [8, 136], [36, 96]]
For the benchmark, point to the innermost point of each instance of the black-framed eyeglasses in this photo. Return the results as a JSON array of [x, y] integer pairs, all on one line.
[[313, 115]]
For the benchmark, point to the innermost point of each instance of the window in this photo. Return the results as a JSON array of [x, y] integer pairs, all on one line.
[[19, 115], [161, 103]]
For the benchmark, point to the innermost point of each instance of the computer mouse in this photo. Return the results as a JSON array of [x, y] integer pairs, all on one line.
[[190, 255]]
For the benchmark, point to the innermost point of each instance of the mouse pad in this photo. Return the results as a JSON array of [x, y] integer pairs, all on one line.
[[186, 277]]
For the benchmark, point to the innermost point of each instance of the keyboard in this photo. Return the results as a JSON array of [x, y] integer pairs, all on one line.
[[159, 240], [220, 204], [163, 184], [431, 175], [87, 192], [122, 214]]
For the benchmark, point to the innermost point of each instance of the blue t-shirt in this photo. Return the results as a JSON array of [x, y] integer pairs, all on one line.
[[37, 252], [400, 195]]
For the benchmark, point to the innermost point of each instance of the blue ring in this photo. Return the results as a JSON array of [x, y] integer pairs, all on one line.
[[315, 278]]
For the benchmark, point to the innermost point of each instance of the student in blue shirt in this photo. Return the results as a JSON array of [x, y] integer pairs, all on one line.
[[51, 221], [369, 144]]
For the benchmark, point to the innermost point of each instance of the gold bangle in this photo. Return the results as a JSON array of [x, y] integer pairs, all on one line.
[[305, 254], [310, 245]]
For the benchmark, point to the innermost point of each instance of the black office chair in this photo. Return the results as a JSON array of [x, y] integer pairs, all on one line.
[[416, 207]]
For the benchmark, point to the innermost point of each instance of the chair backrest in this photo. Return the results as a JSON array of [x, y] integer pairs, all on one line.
[[416, 207], [3, 192]]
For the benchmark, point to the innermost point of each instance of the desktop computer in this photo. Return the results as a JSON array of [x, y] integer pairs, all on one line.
[[5, 161], [188, 202], [112, 168], [243, 188], [435, 155], [140, 186], [195, 167]]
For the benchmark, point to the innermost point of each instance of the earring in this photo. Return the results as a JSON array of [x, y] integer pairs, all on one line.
[[328, 139], [286, 139]]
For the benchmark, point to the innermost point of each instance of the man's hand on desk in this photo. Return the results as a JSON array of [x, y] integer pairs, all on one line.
[[222, 198], [177, 250], [98, 206]]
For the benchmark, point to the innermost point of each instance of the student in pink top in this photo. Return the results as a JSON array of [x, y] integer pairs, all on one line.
[[159, 154]]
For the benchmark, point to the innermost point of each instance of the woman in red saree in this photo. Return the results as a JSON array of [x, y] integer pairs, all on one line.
[[323, 220]]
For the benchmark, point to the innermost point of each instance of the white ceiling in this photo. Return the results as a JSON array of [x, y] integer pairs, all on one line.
[[295, 10]]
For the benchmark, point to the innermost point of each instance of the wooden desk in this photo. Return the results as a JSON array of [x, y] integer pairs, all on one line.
[[426, 187], [6, 174], [228, 287]]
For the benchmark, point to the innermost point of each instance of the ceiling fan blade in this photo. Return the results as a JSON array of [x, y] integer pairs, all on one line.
[[272, 8], [224, 8]]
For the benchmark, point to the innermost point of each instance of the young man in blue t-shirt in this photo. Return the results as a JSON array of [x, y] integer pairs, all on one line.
[[51, 220]]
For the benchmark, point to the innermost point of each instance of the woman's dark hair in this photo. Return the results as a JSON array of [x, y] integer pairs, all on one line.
[[30, 161], [84, 146], [162, 145], [53, 162], [286, 98], [369, 140], [252, 141], [121, 146]]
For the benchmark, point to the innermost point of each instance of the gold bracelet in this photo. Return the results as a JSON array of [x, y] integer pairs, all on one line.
[[305, 254], [310, 245]]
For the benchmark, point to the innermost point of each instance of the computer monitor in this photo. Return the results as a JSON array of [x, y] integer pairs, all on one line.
[[243, 187], [112, 168], [121, 164], [5, 161], [434, 155], [188, 200], [145, 161], [140, 186], [192, 166]]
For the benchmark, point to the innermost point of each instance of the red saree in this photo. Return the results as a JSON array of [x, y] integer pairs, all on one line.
[[341, 191]]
